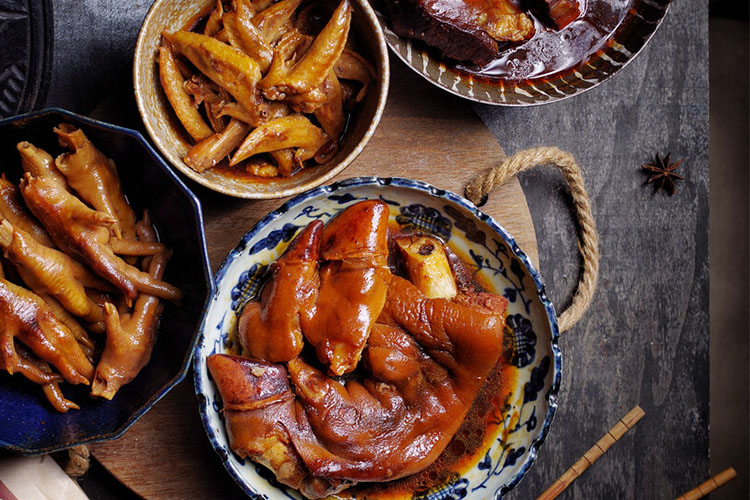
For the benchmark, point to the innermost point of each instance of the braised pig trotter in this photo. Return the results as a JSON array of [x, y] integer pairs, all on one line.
[[270, 330], [353, 284], [259, 409]]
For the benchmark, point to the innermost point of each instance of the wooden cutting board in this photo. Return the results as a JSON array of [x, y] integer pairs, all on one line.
[[425, 134]]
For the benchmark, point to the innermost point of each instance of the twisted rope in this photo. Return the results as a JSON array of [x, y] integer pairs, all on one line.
[[78, 461], [480, 186]]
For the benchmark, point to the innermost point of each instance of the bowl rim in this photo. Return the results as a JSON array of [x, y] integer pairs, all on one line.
[[383, 88], [553, 99], [385, 182], [206, 267]]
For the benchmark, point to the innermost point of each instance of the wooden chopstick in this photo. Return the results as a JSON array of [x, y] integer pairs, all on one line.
[[712, 484], [616, 432]]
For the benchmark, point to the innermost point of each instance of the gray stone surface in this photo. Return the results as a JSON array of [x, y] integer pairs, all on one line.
[[645, 339]]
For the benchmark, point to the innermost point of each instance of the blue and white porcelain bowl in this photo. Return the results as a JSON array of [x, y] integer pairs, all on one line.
[[495, 255]]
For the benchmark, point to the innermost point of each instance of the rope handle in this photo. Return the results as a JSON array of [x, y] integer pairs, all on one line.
[[478, 189], [78, 461]]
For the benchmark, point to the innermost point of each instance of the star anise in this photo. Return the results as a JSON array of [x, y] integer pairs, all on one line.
[[661, 172]]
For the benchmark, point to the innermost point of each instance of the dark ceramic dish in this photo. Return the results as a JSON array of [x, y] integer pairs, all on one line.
[[624, 41], [28, 423], [26, 58]]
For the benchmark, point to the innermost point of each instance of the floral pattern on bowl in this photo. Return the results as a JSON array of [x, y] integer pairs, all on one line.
[[493, 252]]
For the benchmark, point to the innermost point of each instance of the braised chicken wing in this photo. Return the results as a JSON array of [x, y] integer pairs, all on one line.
[[270, 330], [229, 68], [81, 231], [309, 71], [174, 88], [25, 317], [353, 284]]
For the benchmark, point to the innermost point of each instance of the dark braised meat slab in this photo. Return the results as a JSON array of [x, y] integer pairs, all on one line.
[[465, 30]]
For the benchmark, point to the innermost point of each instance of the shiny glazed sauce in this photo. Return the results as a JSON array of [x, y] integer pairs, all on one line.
[[551, 51], [482, 425], [242, 172]]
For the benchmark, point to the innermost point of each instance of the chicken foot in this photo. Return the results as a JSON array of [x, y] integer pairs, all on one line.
[[130, 336], [84, 232], [26, 317]]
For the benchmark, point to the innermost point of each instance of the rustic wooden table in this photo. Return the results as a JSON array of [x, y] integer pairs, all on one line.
[[645, 338]]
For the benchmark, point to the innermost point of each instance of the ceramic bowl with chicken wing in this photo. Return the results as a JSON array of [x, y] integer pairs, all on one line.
[[261, 99], [377, 338], [104, 275]]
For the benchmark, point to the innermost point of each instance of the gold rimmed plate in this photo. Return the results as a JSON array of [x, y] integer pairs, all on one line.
[[575, 61]]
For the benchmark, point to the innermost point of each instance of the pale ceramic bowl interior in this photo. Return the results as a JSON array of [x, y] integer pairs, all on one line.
[[173, 142], [532, 326]]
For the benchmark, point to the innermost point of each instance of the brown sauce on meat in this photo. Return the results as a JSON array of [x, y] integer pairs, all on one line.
[[551, 51], [483, 423], [480, 428]]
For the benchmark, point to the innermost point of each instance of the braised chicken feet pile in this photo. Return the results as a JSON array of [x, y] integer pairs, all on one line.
[[79, 267], [416, 349]]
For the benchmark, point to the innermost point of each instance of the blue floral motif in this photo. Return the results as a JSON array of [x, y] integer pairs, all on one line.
[[501, 254], [507, 458], [486, 462], [530, 422], [523, 338], [312, 212], [501, 248], [217, 404], [512, 456], [425, 219], [453, 491], [248, 286], [516, 269], [536, 380], [345, 198], [466, 224], [275, 237], [342, 199]]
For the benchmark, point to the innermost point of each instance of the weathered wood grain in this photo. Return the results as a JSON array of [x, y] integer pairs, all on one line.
[[645, 339]]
